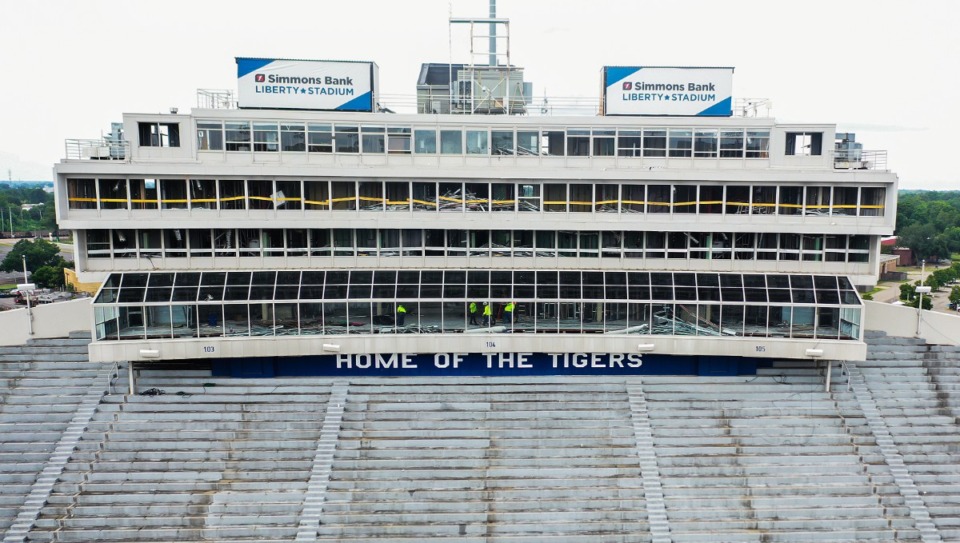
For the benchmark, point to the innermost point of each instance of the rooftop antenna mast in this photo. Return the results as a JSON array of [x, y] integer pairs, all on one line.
[[486, 87], [493, 33]]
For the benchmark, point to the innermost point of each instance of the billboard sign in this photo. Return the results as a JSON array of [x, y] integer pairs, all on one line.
[[693, 92], [306, 84]]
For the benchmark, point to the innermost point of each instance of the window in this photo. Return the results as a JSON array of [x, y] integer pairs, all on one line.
[[347, 139], [159, 134], [871, 201], [845, 200], [603, 142], [791, 201], [711, 199], [425, 142], [265, 138], [372, 139], [804, 143], [758, 144], [209, 136], [113, 194], [655, 142], [738, 200], [578, 142], [451, 142], [173, 194], [680, 143], [552, 143], [705, 144], [502, 142], [237, 136], [685, 199], [528, 143], [319, 138], [629, 143], [82, 193], [477, 142], [658, 199], [398, 141], [764, 201], [731, 144], [293, 137]]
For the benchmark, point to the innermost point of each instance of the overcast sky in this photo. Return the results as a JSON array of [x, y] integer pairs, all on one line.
[[886, 70]]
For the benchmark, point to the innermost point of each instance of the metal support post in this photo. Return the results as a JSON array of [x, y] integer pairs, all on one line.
[[829, 369], [130, 378]]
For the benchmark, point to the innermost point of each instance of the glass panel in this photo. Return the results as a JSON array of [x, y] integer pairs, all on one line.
[[502, 142], [451, 142], [477, 142], [347, 139], [425, 142], [681, 143]]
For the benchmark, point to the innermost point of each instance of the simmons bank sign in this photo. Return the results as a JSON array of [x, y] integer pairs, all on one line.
[[306, 84], [692, 92]]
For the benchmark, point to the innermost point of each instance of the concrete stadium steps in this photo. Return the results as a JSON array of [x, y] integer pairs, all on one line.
[[535, 459], [41, 386], [210, 459], [768, 458], [917, 391]]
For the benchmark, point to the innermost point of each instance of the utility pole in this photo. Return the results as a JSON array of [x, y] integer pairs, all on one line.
[[29, 293], [921, 290]]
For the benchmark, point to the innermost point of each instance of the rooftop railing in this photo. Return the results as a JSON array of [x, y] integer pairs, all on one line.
[[546, 106], [98, 149], [858, 159]]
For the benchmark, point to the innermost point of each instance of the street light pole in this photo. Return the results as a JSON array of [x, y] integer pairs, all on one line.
[[921, 290], [29, 292]]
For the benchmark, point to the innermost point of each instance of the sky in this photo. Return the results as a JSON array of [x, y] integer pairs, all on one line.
[[886, 70]]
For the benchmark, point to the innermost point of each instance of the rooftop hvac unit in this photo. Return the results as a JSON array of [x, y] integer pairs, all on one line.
[[95, 151]]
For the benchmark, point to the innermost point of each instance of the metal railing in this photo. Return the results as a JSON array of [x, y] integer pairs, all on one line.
[[857, 159], [545, 106], [216, 99], [98, 149]]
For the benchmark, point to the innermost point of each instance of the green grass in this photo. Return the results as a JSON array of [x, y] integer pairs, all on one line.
[[8, 286]]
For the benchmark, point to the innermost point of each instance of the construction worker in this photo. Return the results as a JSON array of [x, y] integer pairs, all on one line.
[[508, 313], [473, 313], [401, 314], [488, 314]]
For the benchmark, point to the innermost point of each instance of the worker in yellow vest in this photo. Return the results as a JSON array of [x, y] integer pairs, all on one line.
[[473, 313], [401, 314], [488, 314], [508, 313]]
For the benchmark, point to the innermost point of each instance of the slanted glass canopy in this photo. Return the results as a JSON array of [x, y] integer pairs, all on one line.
[[365, 301]]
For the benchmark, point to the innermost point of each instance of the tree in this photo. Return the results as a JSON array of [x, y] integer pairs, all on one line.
[[955, 295], [39, 253], [51, 276], [927, 302], [907, 291]]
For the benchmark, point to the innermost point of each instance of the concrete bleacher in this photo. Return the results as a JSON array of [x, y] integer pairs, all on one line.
[[472, 459], [208, 459], [768, 458], [772, 457], [917, 391], [42, 384]]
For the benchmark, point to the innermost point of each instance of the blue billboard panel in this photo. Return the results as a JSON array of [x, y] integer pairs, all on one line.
[[692, 92], [306, 84]]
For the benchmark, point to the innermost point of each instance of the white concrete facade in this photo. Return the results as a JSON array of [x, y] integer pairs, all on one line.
[[862, 209]]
